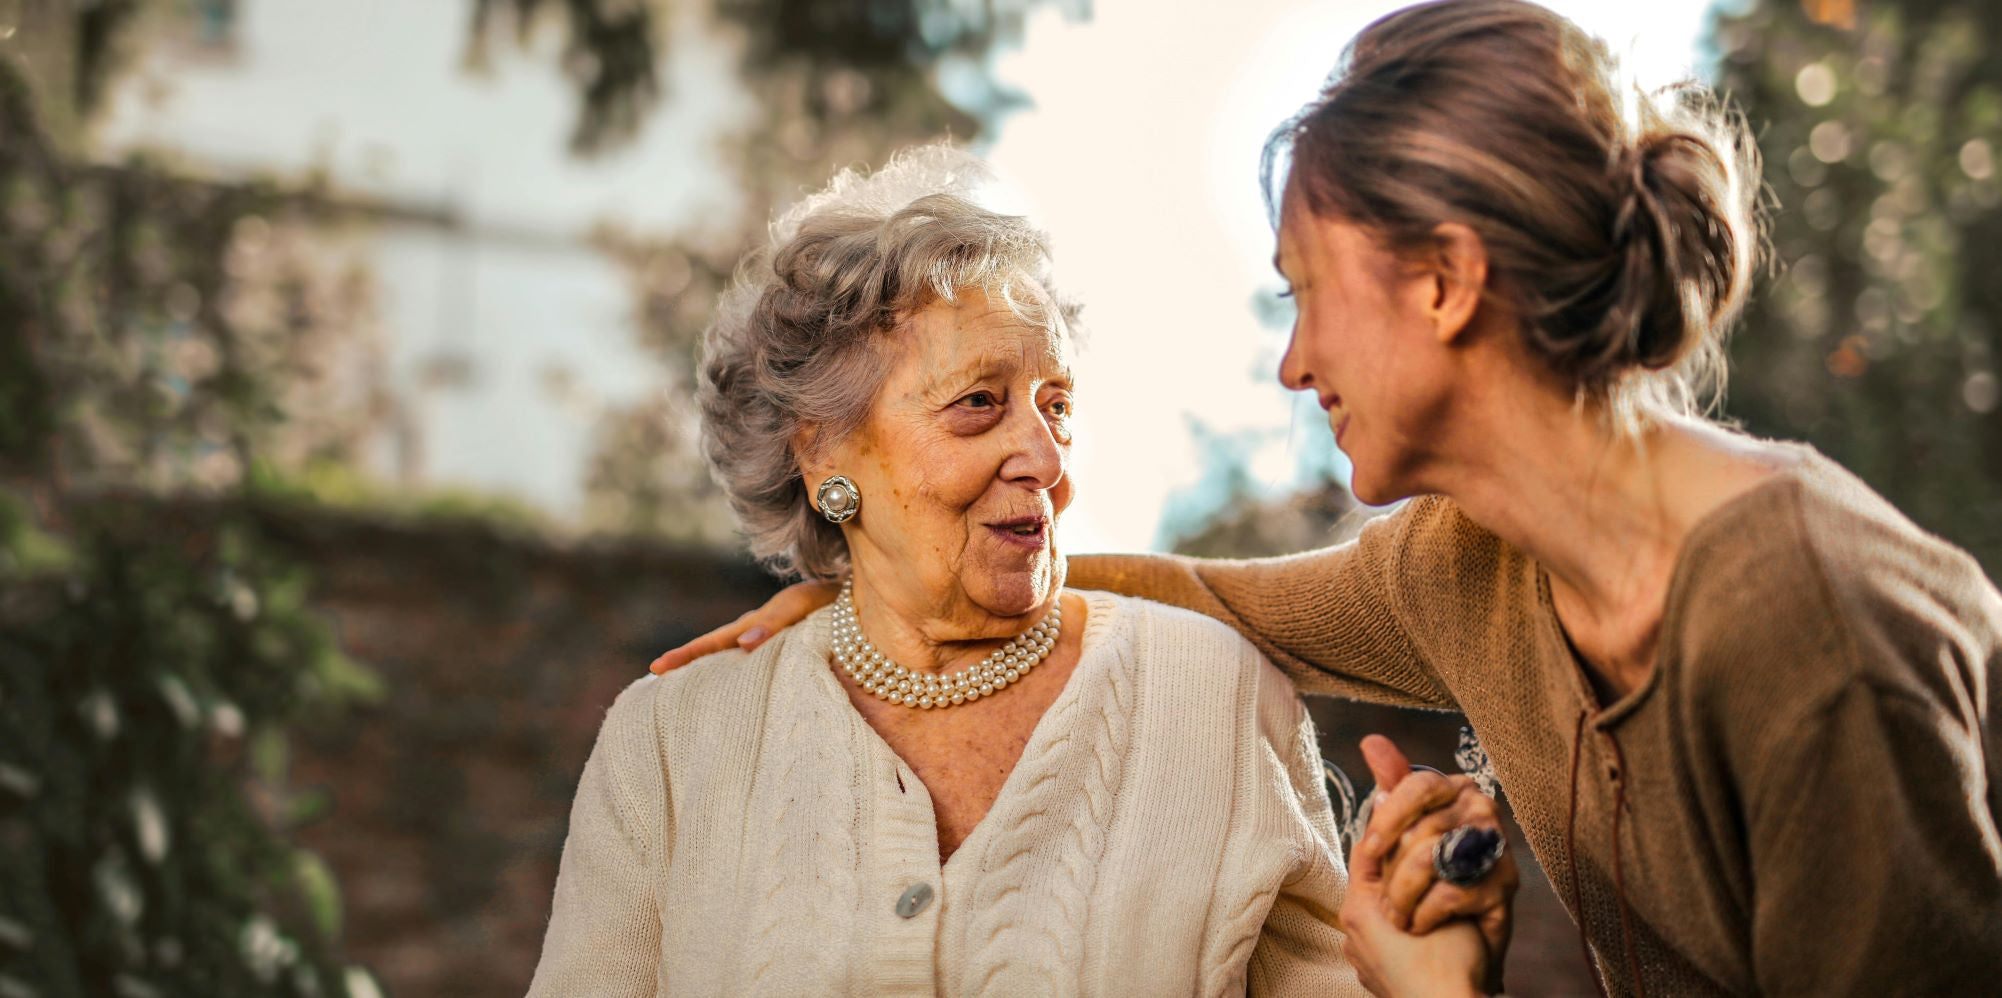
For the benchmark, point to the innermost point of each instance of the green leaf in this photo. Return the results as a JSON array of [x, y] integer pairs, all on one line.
[[321, 891]]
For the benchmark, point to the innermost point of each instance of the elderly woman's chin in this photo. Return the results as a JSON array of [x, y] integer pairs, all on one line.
[[1013, 583]]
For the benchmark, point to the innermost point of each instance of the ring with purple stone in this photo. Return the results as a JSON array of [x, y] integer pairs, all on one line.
[[1465, 854]]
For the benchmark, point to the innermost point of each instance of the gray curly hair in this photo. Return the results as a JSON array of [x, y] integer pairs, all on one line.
[[798, 336]]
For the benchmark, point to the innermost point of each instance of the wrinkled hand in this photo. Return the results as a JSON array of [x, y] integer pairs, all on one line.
[[1412, 812], [787, 607]]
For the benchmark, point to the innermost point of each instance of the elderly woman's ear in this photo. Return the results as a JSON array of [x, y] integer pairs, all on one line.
[[816, 466], [807, 454], [833, 495]]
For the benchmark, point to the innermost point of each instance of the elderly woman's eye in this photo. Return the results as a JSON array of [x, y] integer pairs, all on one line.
[[980, 400]]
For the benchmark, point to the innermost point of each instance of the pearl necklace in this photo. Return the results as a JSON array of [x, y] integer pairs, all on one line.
[[889, 681]]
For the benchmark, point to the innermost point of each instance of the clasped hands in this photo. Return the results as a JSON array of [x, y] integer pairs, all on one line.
[[1407, 931]]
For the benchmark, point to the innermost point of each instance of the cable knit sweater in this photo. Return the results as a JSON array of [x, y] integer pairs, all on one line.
[[740, 829], [1803, 798]]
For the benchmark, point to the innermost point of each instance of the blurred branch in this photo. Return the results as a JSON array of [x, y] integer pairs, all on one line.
[[610, 51], [100, 36]]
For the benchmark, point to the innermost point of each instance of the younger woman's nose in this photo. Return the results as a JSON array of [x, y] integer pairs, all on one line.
[[1293, 371]]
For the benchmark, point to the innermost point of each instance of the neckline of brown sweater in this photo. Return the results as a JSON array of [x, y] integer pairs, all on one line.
[[1605, 718], [1801, 463]]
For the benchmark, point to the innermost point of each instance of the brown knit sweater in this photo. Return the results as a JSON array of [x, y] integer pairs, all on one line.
[[1801, 799]]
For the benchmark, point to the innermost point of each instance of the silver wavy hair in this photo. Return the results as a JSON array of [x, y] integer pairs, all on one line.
[[798, 336]]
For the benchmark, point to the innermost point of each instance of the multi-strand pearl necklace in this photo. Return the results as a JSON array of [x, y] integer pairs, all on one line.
[[874, 672]]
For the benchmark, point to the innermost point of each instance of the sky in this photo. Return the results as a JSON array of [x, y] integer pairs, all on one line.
[[1138, 151]]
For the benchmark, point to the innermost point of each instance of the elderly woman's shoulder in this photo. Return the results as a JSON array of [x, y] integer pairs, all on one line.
[[1162, 632], [714, 678], [724, 671], [1138, 616], [1200, 665]]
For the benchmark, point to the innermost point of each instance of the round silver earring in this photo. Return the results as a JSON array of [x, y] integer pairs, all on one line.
[[839, 499]]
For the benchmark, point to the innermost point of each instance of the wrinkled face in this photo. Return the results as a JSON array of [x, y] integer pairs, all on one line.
[[1366, 344], [963, 464]]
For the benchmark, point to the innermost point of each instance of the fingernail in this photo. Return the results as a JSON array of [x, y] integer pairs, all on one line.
[[751, 637], [1371, 842]]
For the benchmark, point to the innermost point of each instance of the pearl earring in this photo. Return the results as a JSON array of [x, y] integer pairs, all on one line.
[[839, 499]]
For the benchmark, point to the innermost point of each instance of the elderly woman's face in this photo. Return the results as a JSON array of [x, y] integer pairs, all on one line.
[[963, 464]]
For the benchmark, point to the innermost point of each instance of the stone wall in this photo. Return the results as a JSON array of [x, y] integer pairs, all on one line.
[[446, 803]]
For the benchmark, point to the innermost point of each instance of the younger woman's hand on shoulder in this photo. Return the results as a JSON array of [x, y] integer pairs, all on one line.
[[787, 607]]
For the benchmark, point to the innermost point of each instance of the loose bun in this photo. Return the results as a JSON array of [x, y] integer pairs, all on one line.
[[1676, 276]]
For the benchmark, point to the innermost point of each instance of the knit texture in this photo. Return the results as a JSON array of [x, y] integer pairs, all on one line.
[[1808, 778], [740, 829]]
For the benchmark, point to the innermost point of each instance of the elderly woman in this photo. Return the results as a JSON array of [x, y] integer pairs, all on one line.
[[959, 778]]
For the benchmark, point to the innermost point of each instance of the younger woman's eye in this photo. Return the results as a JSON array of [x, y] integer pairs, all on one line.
[[1288, 293]]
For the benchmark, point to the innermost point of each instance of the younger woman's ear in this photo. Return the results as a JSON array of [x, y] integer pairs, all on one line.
[[1459, 265]]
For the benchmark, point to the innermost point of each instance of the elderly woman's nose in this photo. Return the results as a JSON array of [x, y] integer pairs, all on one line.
[[1036, 458]]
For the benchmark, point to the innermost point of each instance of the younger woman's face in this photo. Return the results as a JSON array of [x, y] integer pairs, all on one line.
[[1366, 342]]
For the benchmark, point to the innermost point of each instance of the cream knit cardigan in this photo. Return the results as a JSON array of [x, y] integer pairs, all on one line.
[[740, 830]]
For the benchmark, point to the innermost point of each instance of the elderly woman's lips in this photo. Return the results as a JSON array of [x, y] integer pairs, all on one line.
[[1026, 533]]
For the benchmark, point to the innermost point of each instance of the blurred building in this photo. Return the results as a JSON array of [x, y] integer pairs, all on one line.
[[497, 331]]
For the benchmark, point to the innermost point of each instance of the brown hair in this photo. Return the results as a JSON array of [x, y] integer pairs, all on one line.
[[1620, 225]]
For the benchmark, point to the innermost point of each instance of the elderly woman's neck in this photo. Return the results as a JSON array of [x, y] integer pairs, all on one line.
[[936, 632]]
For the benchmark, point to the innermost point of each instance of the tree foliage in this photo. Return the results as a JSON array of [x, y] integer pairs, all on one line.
[[147, 676], [148, 686], [1879, 339]]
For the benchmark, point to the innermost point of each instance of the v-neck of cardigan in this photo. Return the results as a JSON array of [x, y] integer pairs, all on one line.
[[1099, 611]]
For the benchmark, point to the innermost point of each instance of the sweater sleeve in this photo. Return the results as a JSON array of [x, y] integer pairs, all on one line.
[[1327, 618], [1876, 862], [604, 925], [1299, 952]]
